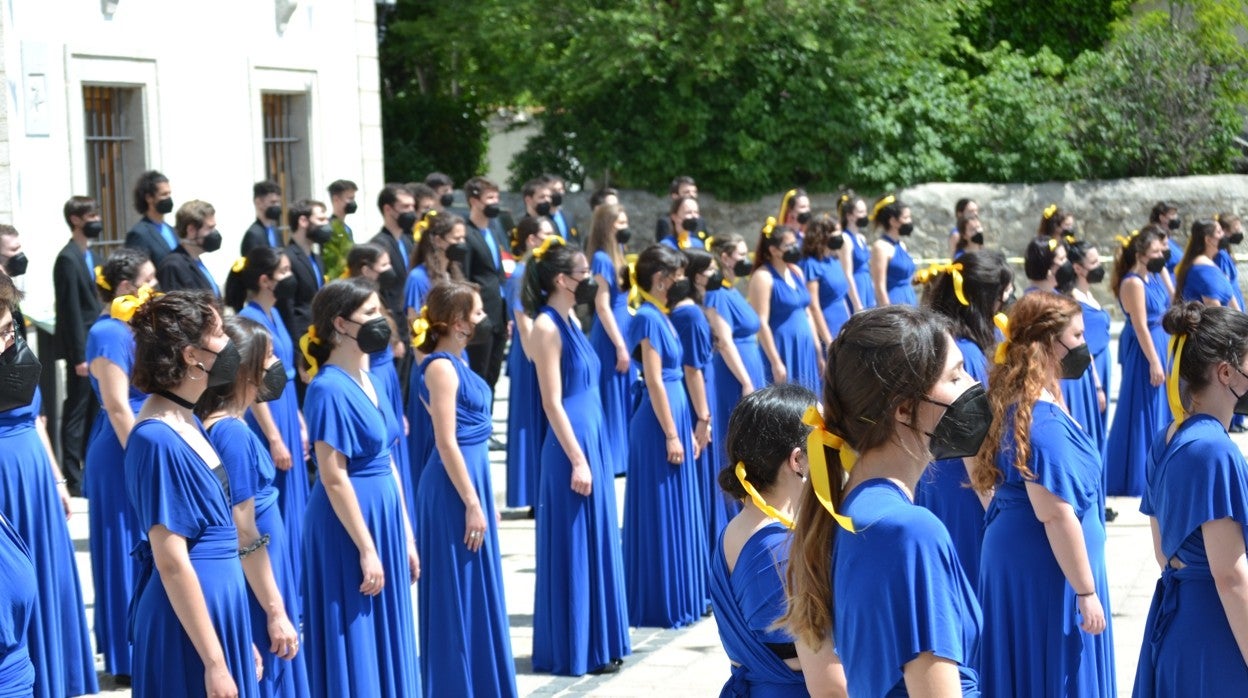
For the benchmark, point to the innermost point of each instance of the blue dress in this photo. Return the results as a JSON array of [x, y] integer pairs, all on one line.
[[616, 387], [1033, 645], [862, 270], [1227, 264], [665, 551], [1207, 281], [899, 276], [251, 471], [1142, 409], [113, 525], [1079, 394], [416, 288], [526, 420], [356, 645], [898, 590], [464, 628], [1096, 334], [419, 424], [170, 485], [580, 617], [790, 329], [945, 488], [1188, 647], [743, 323], [1176, 254], [833, 289], [748, 601], [59, 641], [385, 370], [292, 485], [17, 600]]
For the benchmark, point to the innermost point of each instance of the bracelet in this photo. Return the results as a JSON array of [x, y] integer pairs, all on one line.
[[1083, 596], [263, 541], [62, 481]]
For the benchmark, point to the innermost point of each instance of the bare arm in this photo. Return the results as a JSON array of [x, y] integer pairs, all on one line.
[[606, 318], [277, 445], [550, 382], [760, 298], [727, 348], [1156, 531], [443, 385], [652, 368], [1224, 542], [1065, 536], [332, 469], [822, 669], [62, 492], [258, 569], [695, 381], [1131, 293], [929, 676], [524, 327], [115, 396], [881, 253], [818, 324], [847, 264]]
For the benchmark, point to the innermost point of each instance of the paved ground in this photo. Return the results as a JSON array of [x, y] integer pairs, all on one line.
[[690, 661]]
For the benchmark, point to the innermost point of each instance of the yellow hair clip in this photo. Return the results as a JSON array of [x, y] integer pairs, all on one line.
[[758, 500], [1003, 323], [305, 345], [100, 280], [819, 478], [1052, 244], [1048, 212], [123, 307], [420, 327], [710, 242], [239, 265], [936, 269], [1070, 239], [769, 226], [879, 205], [1172, 380], [551, 240]]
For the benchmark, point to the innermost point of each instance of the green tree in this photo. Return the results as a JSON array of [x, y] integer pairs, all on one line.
[[1065, 27]]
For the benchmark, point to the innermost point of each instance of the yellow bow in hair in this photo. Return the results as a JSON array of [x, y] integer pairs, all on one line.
[[123, 307], [1172, 380], [420, 327], [1070, 239], [550, 241], [819, 478], [758, 500], [879, 205], [1052, 244], [710, 241], [936, 269], [423, 224], [239, 265], [1048, 212], [1126, 241], [1003, 323], [305, 344], [769, 226], [100, 280]]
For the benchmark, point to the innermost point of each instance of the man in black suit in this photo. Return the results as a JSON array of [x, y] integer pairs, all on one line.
[[565, 225], [309, 229], [398, 211], [183, 268], [483, 266], [153, 198], [77, 307], [266, 196], [682, 187]]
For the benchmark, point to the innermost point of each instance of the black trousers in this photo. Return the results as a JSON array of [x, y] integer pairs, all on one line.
[[486, 357], [77, 413]]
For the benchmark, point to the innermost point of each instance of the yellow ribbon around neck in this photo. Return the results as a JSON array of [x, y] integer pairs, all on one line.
[[1003, 323], [420, 327], [100, 280], [879, 205], [1172, 381], [123, 307], [936, 269], [682, 239], [758, 500], [305, 345], [645, 296], [819, 477]]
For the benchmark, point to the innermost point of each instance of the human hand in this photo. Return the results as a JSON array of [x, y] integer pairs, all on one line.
[[283, 640], [1093, 614], [281, 454], [675, 450], [474, 527], [373, 574]]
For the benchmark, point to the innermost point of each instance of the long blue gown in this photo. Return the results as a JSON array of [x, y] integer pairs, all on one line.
[[170, 485], [790, 329], [419, 424], [665, 552], [1142, 409], [60, 644], [251, 471], [695, 340], [899, 275], [944, 488], [385, 370], [526, 420], [743, 323], [17, 600], [833, 289], [1096, 333], [1227, 264], [1033, 645], [580, 618], [356, 645], [862, 271], [898, 591], [1079, 394], [748, 601], [292, 485], [1207, 281], [616, 387], [464, 628], [1176, 254], [1188, 647], [113, 525]]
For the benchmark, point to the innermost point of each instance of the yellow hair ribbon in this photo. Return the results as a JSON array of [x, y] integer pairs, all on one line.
[[1172, 381], [551, 240], [1003, 323], [309, 338], [758, 500], [936, 269], [645, 296], [769, 226], [1052, 244], [423, 224], [420, 327], [1126, 241], [879, 205], [710, 241], [100, 280], [123, 307], [1048, 212], [786, 202], [1070, 239], [682, 240], [239, 265], [819, 479]]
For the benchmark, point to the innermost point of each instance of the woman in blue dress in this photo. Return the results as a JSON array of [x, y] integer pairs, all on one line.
[[685, 218], [1165, 216], [779, 295], [1089, 271], [767, 444], [359, 551], [526, 422], [580, 618], [857, 261], [189, 620], [34, 499], [1197, 276], [464, 628], [128, 275], [970, 236], [273, 598], [1042, 578], [888, 590], [665, 551], [17, 601], [1141, 408], [825, 278], [969, 293], [608, 239], [892, 268], [255, 285], [1197, 496]]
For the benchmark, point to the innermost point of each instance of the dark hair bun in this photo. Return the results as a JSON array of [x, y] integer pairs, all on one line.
[[1183, 318]]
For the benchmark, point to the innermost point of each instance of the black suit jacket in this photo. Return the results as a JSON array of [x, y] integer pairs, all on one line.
[[574, 233], [77, 304], [178, 272], [480, 269], [392, 293], [258, 236], [297, 311], [145, 235]]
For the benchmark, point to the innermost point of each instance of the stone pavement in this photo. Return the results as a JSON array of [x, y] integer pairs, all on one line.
[[690, 661]]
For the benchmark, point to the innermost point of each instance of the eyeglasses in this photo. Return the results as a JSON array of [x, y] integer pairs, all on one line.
[[8, 335]]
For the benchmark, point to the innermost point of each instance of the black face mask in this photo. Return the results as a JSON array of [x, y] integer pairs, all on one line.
[[492, 210], [743, 267], [457, 252], [406, 220], [321, 234], [19, 375], [907, 229], [556, 199], [690, 225], [350, 207], [862, 222], [1156, 264], [482, 331], [803, 218], [1236, 238], [92, 229], [373, 335], [1065, 274], [446, 200], [1224, 243], [1096, 276], [285, 289], [274, 383], [1175, 224], [623, 235], [977, 238], [225, 369], [1070, 233], [586, 291], [1241, 401], [678, 291], [1076, 361], [715, 282], [837, 242], [273, 213], [16, 265], [542, 208], [964, 425], [792, 255], [387, 277], [1166, 254], [164, 206]]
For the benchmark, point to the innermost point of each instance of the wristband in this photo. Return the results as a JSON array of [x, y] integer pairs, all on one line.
[[1082, 596]]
